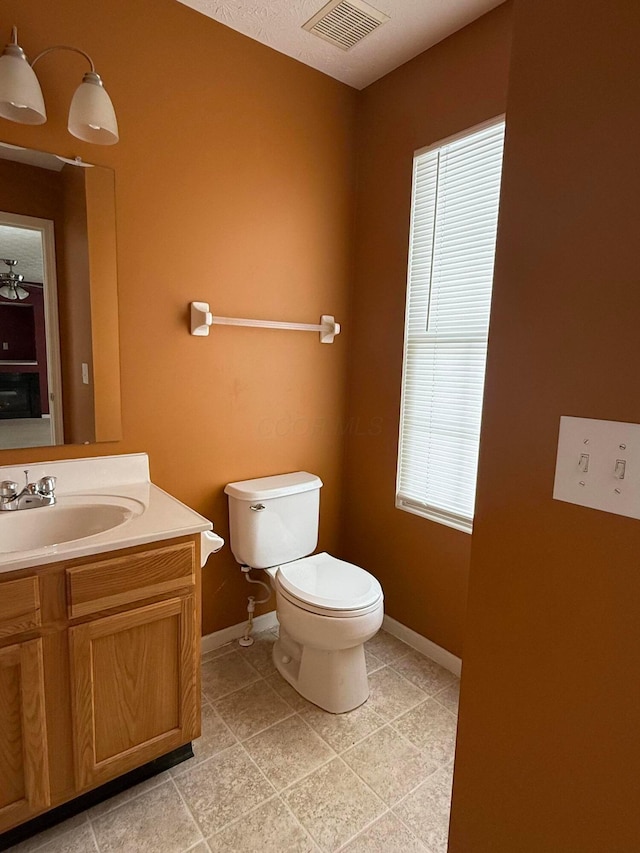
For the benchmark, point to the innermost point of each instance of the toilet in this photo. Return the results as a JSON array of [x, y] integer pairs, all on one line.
[[327, 608]]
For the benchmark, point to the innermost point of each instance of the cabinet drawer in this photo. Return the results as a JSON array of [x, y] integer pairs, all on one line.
[[19, 606], [131, 578]]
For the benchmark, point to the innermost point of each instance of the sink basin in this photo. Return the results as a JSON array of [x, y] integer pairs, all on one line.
[[71, 518]]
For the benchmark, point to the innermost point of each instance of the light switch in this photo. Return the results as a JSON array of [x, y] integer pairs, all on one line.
[[598, 465], [85, 373], [619, 470], [5, 345]]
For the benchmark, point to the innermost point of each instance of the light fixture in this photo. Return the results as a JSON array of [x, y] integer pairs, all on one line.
[[10, 282], [91, 115]]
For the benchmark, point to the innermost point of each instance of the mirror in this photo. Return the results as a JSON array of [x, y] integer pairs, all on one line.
[[59, 343]]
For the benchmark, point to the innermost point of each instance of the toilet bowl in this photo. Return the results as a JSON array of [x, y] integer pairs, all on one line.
[[327, 608]]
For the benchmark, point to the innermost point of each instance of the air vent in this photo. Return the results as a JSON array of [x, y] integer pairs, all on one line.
[[345, 22]]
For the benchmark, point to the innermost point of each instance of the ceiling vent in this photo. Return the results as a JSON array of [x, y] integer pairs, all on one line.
[[345, 22]]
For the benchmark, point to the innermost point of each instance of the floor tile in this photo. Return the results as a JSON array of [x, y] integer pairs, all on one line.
[[386, 835], [219, 789], [372, 661], [271, 828], [287, 751], [389, 764], [156, 822], [260, 654], [387, 647], [431, 728], [450, 696], [424, 672], [426, 810], [80, 840], [341, 731], [333, 804], [118, 799], [252, 709], [225, 674], [220, 651], [215, 737], [55, 837], [391, 695], [286, 692]]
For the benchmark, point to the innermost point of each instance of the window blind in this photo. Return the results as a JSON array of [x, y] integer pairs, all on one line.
[[454, 216]]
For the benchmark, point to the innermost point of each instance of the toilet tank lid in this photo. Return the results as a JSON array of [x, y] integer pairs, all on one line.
[[263, 488]]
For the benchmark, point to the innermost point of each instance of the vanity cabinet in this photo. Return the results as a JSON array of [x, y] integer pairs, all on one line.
[[133, 673], [24, 772], [99, 671]]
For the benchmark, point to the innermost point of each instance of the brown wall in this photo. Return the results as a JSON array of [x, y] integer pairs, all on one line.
[[103, 273], [74, 304], [548, 753], [28, 190], [423, 566], [234, 185]]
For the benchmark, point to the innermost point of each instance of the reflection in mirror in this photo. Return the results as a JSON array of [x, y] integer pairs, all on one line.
[[59, 353], [30, 393]]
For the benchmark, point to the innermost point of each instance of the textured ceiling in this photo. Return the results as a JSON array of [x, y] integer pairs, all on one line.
[[415, 25], [24, 246]]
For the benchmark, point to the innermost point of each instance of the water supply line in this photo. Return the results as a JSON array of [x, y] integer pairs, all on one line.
[[247, 639]]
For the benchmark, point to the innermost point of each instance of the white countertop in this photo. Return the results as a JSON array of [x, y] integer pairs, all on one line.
[[125, 476]]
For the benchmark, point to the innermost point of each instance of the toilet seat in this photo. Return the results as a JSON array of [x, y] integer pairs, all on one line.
[[328, 586]]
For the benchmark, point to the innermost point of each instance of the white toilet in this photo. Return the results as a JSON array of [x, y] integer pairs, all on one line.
[[327, 608]]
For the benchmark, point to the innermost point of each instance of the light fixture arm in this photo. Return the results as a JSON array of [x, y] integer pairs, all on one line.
[[14, 41], [65, 47]]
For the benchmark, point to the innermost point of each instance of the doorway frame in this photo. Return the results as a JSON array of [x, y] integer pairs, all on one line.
[[51, 316]]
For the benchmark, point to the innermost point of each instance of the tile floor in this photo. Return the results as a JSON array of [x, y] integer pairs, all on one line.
[[25, 432], [273, 773]]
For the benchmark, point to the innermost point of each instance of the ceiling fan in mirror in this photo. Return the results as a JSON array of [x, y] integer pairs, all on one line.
[[10, 282]]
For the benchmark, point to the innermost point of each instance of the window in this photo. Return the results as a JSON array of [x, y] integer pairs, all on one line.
[[454, 217]]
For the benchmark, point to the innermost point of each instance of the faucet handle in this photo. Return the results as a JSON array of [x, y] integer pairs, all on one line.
[[8, 489], [46, 485]]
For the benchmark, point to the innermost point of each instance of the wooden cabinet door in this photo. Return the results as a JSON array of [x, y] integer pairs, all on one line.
[[24, 769], [135, 688]]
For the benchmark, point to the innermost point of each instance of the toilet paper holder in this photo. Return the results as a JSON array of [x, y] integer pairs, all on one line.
[[210, 543]]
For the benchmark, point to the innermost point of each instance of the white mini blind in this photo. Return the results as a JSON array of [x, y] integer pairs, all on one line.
[[454, 217]]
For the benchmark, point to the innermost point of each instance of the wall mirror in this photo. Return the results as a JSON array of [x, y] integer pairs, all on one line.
[[59, 343]]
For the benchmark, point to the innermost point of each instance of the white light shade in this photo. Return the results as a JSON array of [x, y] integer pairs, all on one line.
[[91, 116], [12, 291], [20, 94]]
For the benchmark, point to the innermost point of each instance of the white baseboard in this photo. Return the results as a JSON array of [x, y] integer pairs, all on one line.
[[234, 632], [392, 626], [421, 644]]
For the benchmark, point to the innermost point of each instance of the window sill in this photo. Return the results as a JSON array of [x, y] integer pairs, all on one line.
[[465, 525]]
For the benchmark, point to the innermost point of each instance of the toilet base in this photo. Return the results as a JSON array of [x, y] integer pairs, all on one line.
[[334, 680]]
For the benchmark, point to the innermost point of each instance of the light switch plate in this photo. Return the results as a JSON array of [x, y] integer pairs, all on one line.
[[607, 444]]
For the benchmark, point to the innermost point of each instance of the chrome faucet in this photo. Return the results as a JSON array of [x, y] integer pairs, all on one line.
[[32, 495]]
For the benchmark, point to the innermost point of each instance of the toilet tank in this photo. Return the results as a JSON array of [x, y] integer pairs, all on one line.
[[274, 520]]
